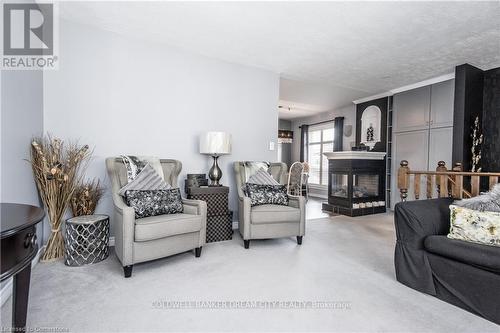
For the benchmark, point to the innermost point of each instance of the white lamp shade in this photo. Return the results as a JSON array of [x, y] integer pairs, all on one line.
[[215, 143]]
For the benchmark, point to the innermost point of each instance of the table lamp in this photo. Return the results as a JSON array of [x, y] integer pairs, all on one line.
[[215, 144]]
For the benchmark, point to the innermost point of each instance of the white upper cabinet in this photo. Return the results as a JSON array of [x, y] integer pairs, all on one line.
[[440, 147], [442, 100], [423, 130], [412, 109], [421, 108]]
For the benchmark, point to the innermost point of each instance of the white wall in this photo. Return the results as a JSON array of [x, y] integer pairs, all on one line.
[[124, 96], [21, 120]]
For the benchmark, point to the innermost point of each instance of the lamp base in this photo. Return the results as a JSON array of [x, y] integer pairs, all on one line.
[[215, 173]]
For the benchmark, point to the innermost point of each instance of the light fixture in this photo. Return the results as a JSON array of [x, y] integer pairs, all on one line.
[[215, 144], [285, 136]]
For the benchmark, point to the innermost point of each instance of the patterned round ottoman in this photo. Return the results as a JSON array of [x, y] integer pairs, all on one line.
[[86, 240]]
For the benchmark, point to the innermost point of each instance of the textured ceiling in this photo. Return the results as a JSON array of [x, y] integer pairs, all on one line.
[[360, 48], [309, 98]]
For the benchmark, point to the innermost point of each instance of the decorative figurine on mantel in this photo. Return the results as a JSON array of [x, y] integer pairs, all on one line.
[[369, 133], [477, 141]]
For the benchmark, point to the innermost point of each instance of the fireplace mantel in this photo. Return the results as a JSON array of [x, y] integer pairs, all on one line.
[[355, 155]]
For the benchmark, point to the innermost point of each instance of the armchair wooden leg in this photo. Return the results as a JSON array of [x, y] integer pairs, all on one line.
[[299, 240], [127, 270], [197, 252], [247, 243]]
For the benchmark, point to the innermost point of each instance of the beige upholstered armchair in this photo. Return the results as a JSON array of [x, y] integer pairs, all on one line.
[[149, 238], [269, 221]]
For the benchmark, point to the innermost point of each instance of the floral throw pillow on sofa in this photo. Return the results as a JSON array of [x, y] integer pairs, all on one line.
[[474, 226], [266, 194], [154, 202]]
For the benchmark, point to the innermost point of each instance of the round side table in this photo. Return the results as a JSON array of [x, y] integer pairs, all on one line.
[[86, 240]]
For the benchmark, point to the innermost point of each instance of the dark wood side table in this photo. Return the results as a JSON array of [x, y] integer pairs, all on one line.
[[19, 247], [219, 217]]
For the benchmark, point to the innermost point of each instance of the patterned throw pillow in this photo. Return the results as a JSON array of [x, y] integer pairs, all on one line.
[[152, 203], [147, 179], [262, 177], [474, 226], [489, 201], [134, 165], [251, 167], [267, 194]]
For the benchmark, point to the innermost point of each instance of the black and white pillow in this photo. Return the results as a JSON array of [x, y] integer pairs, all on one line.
[[266, 194], [251, 167], [135, 164], [153, 203], [147, 179], [262, 177]]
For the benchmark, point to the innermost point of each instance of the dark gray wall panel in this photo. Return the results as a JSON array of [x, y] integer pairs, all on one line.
[[491, 120], [468, 105]]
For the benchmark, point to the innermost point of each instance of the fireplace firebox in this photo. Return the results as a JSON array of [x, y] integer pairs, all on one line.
[[356, 183]]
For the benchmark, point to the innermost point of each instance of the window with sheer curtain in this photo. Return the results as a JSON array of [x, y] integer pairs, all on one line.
[[320, 140]]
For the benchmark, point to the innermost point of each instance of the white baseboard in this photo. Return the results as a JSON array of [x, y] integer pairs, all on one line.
[[6, 291]]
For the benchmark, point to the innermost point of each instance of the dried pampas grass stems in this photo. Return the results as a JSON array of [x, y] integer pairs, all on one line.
[[57, 171], [85, 198]]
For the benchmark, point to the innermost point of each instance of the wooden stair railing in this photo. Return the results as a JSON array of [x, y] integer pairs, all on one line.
[[448, 183]]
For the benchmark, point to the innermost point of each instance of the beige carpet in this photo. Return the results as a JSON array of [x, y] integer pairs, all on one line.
[[345, 262]]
